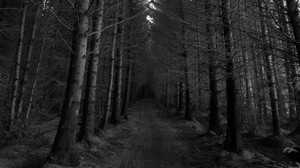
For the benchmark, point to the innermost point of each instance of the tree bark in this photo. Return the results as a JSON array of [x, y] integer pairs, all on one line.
[[111, 73], [177, 95], [16, 79], [87, 125], [128, 77], [268, 69], [132, 86], [294, 16], [214, 115], [116, 101], [23, 83], [258, 91], [233, 138], [64, 150], [116, 112], [180, 97], [188, 113], [167, 101], [33, 88], [127, 87]]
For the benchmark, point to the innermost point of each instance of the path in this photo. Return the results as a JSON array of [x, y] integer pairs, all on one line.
[[153, 145], [165, 140]]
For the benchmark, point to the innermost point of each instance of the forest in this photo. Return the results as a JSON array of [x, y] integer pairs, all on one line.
[[149, 83]]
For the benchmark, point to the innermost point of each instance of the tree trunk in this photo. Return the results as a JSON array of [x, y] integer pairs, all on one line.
[[180, 97], [279, 96], [268, 69], [23, 83], [64, 150], [111, 73], [128, 77], [287, 62], [258, 89], [116, 111], [133, 90], [177, 96], [233, 138], [167, 101], [132, 85], [188, 113], [214, 116], [294, 16], [127, 87], [272, 94], [16, 80], [35, 82], [198, 74], [87, 125], [116, 101]]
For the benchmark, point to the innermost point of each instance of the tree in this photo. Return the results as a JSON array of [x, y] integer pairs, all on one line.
[[294, 18], [188, 113], [130, 58], [24, 76], [116, 111], [111, 72], [16, 80], [271, 87], [33, 88], [64, 148], [214, 118], [233, 137], [180, 97], [87, 126]]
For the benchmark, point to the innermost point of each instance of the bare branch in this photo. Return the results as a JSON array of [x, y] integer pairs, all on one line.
[[62, 38], [70, 3], [56, 17], [117, 23]]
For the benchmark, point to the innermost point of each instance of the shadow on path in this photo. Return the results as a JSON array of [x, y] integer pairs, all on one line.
[[153, 145]]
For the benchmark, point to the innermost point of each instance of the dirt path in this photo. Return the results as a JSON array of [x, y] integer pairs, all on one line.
[[165, 140], [153, 144]]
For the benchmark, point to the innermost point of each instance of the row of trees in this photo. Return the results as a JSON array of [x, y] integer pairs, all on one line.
[[99, 39], [234, 58]]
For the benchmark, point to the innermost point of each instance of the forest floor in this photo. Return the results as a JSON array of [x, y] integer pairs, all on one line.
[[151, 138]]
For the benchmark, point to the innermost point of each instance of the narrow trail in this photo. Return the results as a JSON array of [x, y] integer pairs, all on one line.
[[153, 145], [162, 139]]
